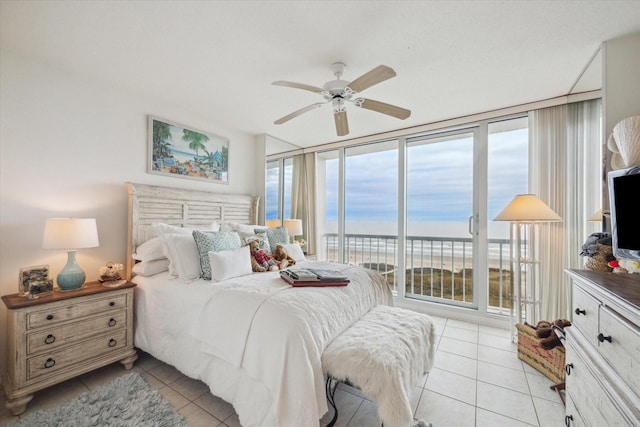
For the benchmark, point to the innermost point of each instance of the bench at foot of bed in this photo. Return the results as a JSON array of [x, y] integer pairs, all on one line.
[[384, 354]]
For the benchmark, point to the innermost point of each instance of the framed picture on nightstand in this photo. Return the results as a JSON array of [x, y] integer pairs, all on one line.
[[34, 281]]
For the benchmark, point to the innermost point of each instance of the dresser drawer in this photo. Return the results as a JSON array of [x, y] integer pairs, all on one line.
[[88, 306], [623, 352], [583, 386], [69, 333], [585, 314], [573, 418], [66, 358]]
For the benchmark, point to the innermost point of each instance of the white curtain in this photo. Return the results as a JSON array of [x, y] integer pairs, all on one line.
[[565, 173], [303, 201]]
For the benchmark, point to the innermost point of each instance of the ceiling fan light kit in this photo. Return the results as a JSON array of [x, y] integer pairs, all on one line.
[[337, 92]]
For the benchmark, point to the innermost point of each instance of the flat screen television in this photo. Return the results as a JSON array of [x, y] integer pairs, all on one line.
[[624, 198]]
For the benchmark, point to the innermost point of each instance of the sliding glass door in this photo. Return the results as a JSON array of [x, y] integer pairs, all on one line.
[[440, 218], [419, 210]]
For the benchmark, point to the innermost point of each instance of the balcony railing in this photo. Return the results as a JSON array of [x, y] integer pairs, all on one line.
[[437, 269]]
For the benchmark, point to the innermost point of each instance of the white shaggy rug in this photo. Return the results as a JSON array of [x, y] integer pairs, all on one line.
[[127, 401]]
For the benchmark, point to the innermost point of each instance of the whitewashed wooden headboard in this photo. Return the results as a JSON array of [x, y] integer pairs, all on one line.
[[181, 207]]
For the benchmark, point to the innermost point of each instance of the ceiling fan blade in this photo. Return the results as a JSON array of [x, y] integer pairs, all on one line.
[[384, 108], [297, 113], [295, 85], [342, 125], [373, 77]]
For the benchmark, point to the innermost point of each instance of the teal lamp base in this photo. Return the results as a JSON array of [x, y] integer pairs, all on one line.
[[71, 276]]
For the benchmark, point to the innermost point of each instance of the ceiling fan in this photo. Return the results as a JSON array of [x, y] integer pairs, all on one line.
[[337, 92]]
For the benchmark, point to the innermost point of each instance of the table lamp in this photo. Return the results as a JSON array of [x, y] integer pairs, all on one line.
[[70, 234], [294, 227], [272, 223]]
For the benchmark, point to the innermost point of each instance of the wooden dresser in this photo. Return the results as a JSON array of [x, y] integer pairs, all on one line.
[[603, 350], [56, 337]]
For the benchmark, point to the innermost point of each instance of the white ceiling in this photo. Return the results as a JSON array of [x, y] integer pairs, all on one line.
[[218, 58]]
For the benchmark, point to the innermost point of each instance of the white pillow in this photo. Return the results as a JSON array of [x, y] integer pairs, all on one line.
[[163, 229], [228, 264], [294, 251], [242, 228], [149, 268], [183, 255], [149, 250]]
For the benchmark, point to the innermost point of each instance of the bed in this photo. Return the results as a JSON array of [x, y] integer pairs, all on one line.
[[253, 339]]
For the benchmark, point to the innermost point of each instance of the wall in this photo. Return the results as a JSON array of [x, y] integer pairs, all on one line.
[[67, 145], [621, 82]]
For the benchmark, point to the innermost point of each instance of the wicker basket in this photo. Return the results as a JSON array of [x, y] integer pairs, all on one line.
[[600, 261], [549, 362]]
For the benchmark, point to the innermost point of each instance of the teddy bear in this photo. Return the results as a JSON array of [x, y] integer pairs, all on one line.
[[260, 261], [624, 266], [282, 258], [546, 333]]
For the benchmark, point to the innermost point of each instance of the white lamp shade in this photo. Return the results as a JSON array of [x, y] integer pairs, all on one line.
[[294, 226], [527, 208], [273, 223], [70, 233]]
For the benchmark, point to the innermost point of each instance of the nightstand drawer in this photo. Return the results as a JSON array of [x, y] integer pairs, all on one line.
[[68, 357], [53, 338], [585, 314], [89, 306]]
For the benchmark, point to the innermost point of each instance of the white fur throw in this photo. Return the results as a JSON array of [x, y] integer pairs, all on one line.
[[384, 354]]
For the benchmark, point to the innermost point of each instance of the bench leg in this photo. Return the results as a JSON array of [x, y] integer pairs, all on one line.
[[331, 386]]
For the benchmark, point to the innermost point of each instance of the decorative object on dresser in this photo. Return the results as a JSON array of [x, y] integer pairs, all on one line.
[[602, 348], [111, 274], [525, 213], [60, 336], [624, 143], [34, 282], [70, 234]]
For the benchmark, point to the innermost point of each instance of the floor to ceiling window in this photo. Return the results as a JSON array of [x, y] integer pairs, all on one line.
[[278, 181], [507, 176], [371, 206], [419, 209], [439, 179], [436, 220]]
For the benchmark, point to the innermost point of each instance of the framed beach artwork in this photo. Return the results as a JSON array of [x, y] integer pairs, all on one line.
[[175, 150]]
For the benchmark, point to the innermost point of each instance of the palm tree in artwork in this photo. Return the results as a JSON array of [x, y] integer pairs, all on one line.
[[161, 138], [225, 157], [196, 140]]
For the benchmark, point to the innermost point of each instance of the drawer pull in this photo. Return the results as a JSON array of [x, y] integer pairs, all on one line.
[[567, 420], [50, 339], [111, 304], [568, 367], [50, 363], [112, 322], [603, 338], [579, 312], [112, 342], [50, 317]]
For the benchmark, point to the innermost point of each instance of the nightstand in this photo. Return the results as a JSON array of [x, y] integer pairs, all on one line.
[[57, 337]]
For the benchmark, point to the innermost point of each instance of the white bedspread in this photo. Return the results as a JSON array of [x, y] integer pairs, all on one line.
[[256, 341]]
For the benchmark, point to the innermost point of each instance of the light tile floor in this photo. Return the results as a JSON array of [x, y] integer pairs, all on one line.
[[477, 380]]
